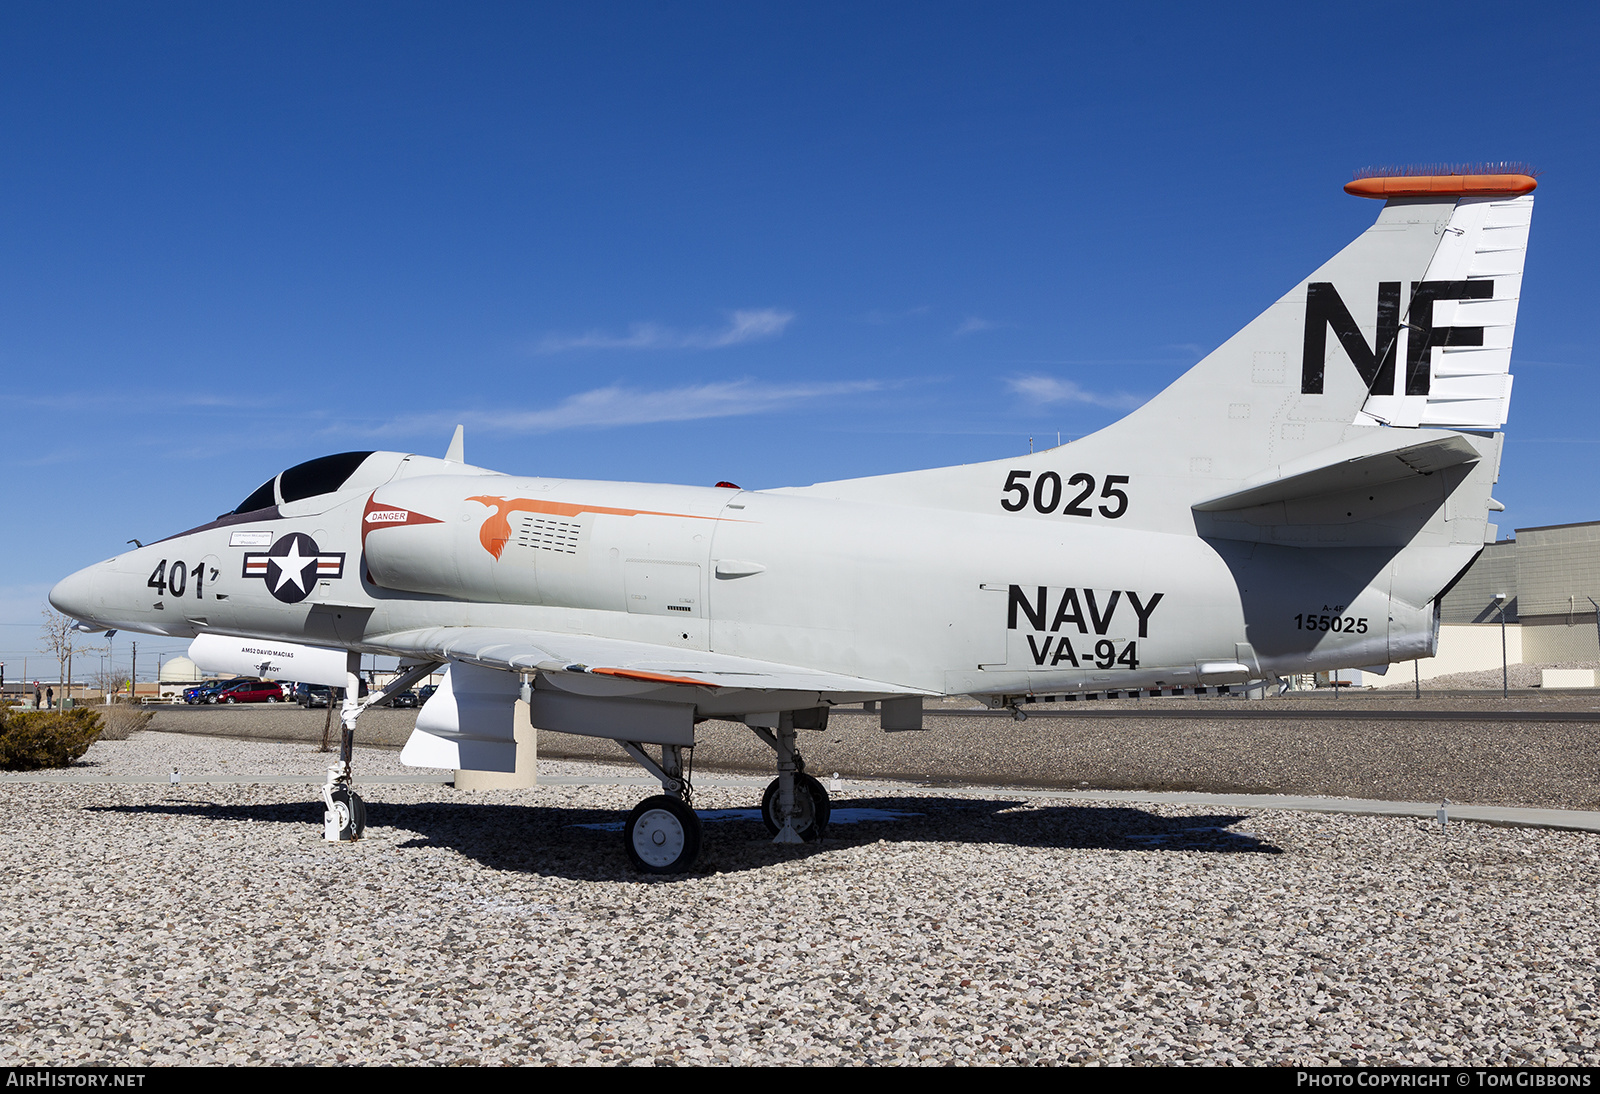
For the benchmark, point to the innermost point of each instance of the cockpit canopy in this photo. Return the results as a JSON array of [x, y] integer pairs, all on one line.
[[323, 475], [342, 474]]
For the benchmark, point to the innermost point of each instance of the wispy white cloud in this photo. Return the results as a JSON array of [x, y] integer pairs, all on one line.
[[619, 404], [972, 325], [1049, 389], [749, 325]]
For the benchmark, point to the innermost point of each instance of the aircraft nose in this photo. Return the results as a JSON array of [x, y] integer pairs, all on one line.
[[78, 595]]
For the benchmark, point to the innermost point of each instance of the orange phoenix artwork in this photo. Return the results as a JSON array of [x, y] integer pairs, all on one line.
[[497, 529]]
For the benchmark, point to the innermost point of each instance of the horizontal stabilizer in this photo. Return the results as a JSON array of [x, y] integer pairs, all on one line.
[[1350, 466]]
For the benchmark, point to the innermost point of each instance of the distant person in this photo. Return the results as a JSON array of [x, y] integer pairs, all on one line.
[[38, 697], [50, 698]]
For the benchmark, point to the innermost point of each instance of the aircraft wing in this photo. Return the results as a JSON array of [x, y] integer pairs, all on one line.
[[552, 652]]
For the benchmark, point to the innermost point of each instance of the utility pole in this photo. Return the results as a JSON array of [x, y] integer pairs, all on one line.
[[1505, 670]]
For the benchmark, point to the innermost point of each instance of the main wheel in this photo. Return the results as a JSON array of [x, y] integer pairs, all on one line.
[[350, 812], [662, 836], [812, 808]]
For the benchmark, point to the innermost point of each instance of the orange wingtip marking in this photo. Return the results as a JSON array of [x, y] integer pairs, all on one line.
[[655, 677], [1411, 186]]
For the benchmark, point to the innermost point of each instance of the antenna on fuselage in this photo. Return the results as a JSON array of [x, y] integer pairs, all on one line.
[[456, 452]]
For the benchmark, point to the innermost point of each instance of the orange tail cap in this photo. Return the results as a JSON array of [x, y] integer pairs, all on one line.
[[1480, 179]]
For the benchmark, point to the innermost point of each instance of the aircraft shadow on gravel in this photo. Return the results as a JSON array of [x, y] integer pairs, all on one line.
[[587, 844]]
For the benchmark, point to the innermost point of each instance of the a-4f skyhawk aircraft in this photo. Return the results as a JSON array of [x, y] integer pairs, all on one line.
[[1297, 501]]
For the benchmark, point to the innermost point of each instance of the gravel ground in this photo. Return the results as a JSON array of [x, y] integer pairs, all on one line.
[[211, 924]]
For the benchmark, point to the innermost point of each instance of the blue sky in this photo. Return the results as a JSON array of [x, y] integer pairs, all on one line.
[[773, 244]]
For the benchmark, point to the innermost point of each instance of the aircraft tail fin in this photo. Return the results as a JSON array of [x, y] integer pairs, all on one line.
[[1453, 349], [456, 453], [1409, 325]]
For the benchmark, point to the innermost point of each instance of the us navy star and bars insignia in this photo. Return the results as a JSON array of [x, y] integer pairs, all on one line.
[[293, 566]]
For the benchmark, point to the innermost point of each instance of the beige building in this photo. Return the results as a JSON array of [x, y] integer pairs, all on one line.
[[1547, 577]]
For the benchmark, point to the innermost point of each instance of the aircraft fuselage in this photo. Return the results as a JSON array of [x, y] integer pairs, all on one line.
[[933, 600]]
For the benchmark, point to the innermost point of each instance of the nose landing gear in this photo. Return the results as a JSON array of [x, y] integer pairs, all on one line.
[[346, 818]]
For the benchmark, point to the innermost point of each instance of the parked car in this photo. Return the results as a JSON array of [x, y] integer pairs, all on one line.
[[406, 699], [251, 691], [425, 692], [312, 695], [206, 693], [317, 695]]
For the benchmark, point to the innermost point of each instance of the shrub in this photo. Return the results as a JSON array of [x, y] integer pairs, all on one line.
[[45, 738], [118, 720]]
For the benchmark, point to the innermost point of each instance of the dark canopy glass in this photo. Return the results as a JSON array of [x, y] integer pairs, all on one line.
[[322, 475]]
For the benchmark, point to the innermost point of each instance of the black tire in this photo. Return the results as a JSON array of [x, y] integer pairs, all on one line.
[[354, 821], [662, 836], [812, 799]]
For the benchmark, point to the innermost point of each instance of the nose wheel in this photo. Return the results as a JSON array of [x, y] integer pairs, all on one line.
[[662, 836], [346, 816]]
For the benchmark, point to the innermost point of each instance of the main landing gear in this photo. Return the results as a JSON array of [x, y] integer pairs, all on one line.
[[811, 807], [795, 807], [662, 835]]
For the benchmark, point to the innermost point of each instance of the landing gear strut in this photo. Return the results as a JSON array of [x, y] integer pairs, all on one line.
[[662, 835], [795, 807], [345, 820]]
